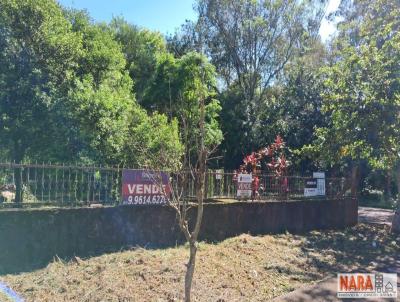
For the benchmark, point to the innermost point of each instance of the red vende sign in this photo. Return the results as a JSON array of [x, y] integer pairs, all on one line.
[[141, 187]]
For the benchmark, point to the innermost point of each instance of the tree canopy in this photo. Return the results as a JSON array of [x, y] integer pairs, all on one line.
[[38, 54], [66, 93], [76, 90], [361, 94]]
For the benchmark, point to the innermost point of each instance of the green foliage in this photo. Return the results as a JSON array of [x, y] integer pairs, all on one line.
[[168, 85], [362, 96], [291, 108], [141, 48], [75, 90], [65, 94], [100, 97], [119, 131], [38, 52], [197, 80], [176, 89], [155, 141], [250, 43], [237, 140]]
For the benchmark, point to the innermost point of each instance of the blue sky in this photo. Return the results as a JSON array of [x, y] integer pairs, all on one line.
[[328, 28], [161, 15]]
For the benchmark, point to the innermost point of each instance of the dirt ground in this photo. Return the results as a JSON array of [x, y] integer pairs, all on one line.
[[244, 268]]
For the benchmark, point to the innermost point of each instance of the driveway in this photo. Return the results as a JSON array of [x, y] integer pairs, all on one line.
[[373, 215], [326, 290]]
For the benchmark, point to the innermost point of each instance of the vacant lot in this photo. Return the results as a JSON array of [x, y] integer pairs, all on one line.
[[245, 268]]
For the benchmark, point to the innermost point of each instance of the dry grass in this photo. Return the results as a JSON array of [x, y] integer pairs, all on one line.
[[244, 268]]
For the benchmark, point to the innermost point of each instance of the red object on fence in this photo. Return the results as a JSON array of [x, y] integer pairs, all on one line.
[[278, 163], [256, 183], [254, 186], [235, 177]]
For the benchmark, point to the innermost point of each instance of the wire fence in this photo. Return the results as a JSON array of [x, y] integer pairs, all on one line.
[[84, 185]]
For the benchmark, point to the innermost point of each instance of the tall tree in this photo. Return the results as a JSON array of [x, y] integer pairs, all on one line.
[[101, 99], [172, 92], [38, 52], [251, 41], [188, 38], [113, 125], [293, 106], [141, 48], [64, 92], [362, 91]]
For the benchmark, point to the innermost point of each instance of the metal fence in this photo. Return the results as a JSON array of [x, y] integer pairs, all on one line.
[[222, 185], [85, 185], [60, 184]]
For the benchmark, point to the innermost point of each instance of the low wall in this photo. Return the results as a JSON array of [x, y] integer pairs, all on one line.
[[30, 238]]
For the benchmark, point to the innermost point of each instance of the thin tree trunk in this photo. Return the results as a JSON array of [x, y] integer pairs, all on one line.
[[396, 218], [200, 184], [398, 184], [388, 185], [190, 271], [355, 179]]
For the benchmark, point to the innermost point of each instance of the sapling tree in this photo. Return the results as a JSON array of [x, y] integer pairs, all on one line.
[[191, 164], [181, 173]]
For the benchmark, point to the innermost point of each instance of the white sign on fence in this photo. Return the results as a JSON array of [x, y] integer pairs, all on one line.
[[310, 187], [219, 173], [318, 175], [244, 186], [316, 185]]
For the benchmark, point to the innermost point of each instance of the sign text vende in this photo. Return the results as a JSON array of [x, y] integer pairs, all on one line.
[[141, 187]]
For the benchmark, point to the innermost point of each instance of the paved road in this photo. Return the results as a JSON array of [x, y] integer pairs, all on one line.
[[326, 290], [372, 215]]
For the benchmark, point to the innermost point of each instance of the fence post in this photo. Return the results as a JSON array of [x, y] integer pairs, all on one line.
[[18, 182], [36, 167], [120, 184]]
